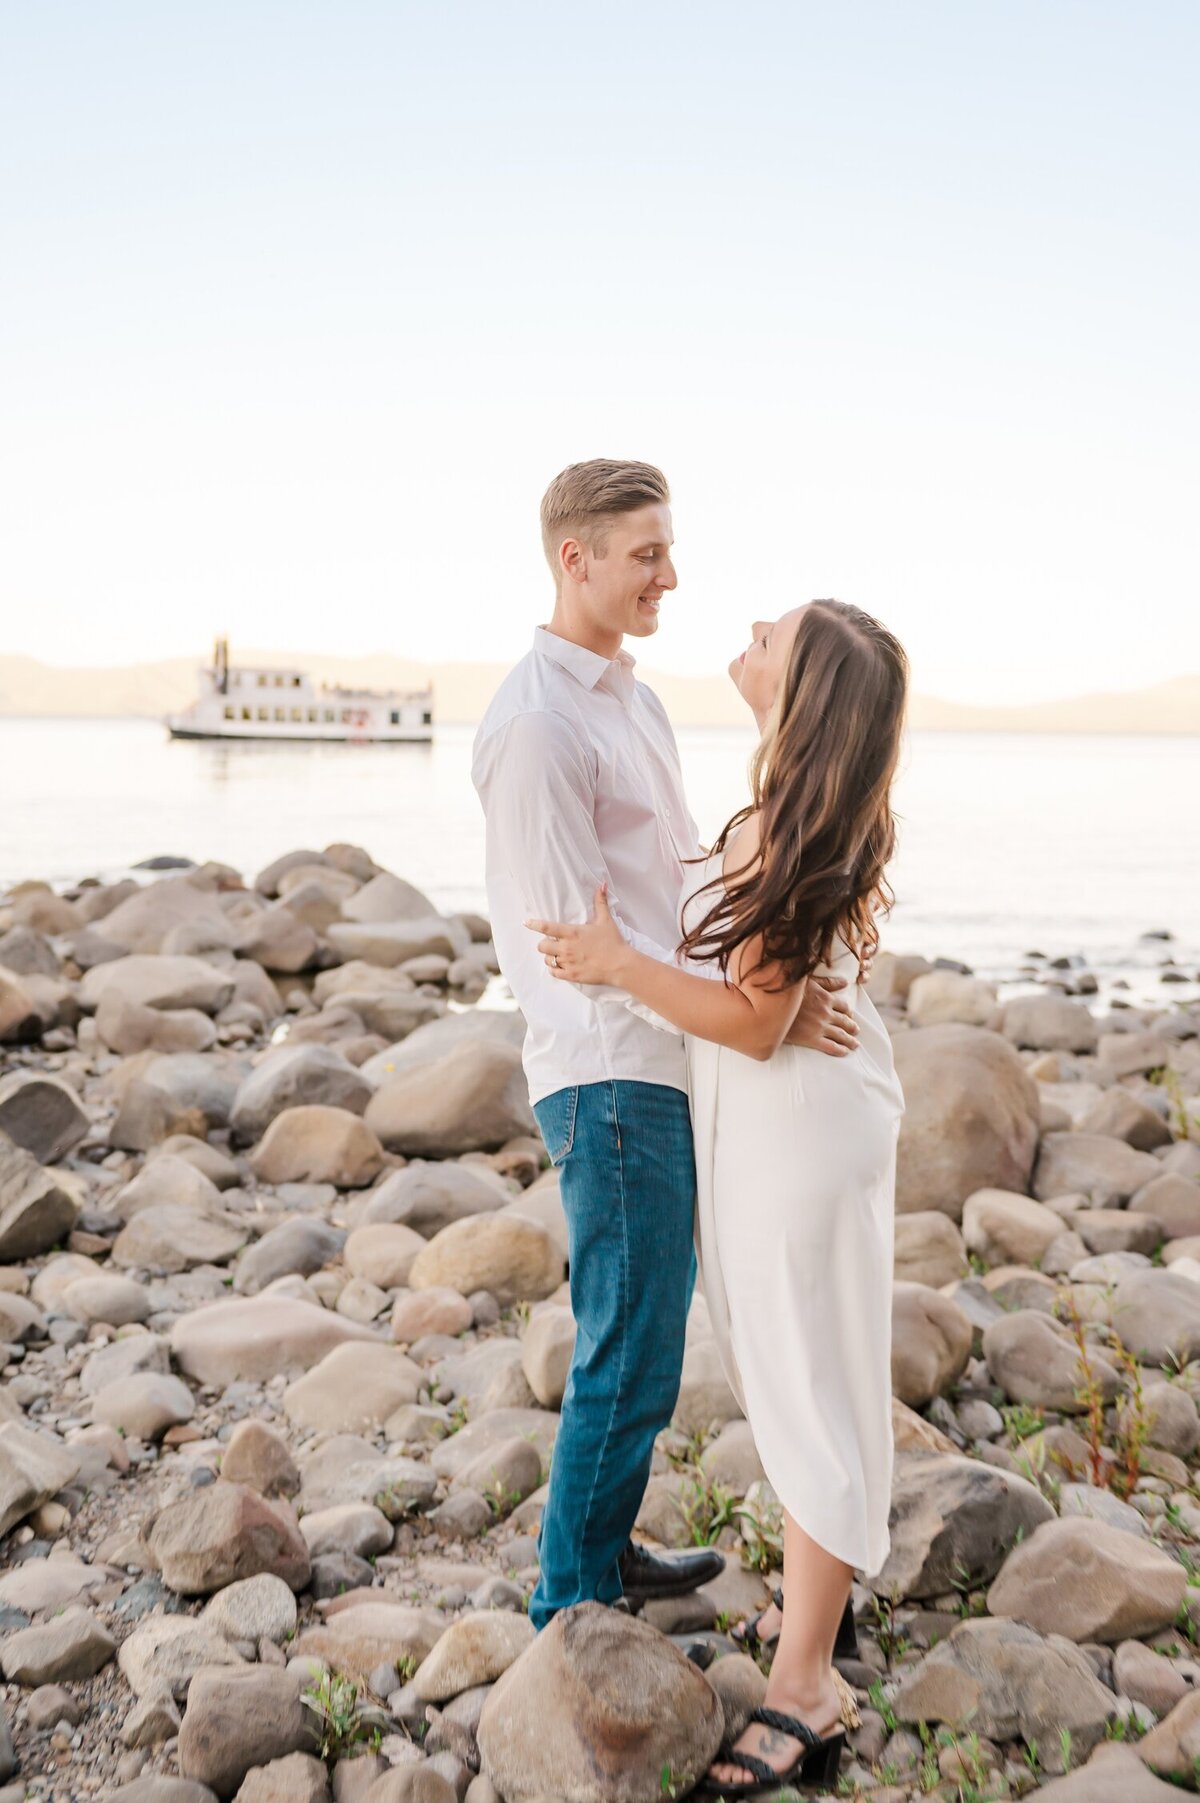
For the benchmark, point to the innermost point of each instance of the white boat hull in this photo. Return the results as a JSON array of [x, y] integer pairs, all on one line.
[[286, 706], [180, 727]]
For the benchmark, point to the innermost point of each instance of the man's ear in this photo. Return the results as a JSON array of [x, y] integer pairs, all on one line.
[[572, 559]]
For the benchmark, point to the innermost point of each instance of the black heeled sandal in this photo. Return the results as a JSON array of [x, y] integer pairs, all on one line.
[[844, 1647], [749, 1638], [818, 1761]]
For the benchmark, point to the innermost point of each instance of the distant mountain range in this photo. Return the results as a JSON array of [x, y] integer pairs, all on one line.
[[461, 692]]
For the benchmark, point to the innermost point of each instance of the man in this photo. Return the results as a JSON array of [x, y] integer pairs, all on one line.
[[577, 769]]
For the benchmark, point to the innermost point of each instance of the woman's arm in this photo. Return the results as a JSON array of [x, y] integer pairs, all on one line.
[[743, 1012]]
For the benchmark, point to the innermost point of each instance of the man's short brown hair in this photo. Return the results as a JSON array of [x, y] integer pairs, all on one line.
[[583, 498]]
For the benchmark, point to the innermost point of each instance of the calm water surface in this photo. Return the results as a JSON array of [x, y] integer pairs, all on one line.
[[1008, 843]]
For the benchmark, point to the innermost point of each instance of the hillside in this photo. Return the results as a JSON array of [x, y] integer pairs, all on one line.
[[462, 690]]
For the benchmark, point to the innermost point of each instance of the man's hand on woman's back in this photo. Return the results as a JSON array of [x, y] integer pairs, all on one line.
[[825, 1022]]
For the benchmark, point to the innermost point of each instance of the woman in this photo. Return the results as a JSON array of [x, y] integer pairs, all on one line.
[[795, 1152]]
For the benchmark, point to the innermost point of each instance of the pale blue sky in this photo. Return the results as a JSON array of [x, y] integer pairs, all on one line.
[[302, 305]]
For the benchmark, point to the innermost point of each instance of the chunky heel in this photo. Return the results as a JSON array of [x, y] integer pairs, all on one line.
[[822, 1764]]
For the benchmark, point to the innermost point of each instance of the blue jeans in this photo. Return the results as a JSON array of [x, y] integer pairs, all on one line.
[[628, 1186]]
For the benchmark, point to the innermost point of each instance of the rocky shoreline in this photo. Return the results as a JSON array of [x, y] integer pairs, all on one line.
[[285, 1330]]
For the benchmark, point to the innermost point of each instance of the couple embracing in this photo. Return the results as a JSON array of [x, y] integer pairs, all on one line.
[[709, 1077]]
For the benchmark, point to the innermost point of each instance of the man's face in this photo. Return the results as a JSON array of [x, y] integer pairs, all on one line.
[[625, 586]]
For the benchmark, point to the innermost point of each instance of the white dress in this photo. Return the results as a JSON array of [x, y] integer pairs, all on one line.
[[795, 1199]]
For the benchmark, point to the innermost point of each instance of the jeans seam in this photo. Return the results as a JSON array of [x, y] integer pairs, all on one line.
[[619, 1386]]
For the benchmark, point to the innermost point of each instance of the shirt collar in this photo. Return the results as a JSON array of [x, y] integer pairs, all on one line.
[[587, 667]]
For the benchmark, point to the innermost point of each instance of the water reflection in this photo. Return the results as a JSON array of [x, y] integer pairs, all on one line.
[[1007, 843]]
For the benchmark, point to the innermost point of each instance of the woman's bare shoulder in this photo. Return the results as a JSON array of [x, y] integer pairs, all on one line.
[[742, 849]]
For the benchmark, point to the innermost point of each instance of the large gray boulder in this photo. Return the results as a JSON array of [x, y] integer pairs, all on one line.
[[514, 1259], [33, 1468], [428, 1195], [224, 1533], [292, 1076], [240, 1718], [255, 1338], [971, 1120], [1000, 1679], [158, 982], [41, 1113], [1034, 1359], [1049, 1023], [595, 1711], [392, 942], [36, 1211], [142, 920], [1089, 1581], [427, 1044], [1105, 1171], [1157, 1315], [931, 1343], [929, 1248], [952, 1523], [472, 1100]]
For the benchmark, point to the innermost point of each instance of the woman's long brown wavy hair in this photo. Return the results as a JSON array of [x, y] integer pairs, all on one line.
[[821, 783]]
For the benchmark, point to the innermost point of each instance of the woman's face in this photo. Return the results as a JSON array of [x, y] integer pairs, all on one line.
[[761, 667]]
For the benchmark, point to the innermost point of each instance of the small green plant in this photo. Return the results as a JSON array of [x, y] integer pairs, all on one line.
[[345, 1723], [891, 1643], [1135, 1424], [881, 1705], [1088, 1392], [1184, 1124], [1185, 1624], [394, 1502], [706, 1508], [672, 1786], [1124, 1727], [760, 1525], [1021, 1420], [970, 1602], [976, 1784], [1064, 1744], [930, 1772]]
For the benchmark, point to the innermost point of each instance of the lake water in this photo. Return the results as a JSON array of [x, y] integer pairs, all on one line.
[[1071, 846]]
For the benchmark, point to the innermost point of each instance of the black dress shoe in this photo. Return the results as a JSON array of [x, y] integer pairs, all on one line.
[[646, 1575]]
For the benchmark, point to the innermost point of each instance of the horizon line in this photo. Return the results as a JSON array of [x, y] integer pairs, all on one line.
[[297, 660]]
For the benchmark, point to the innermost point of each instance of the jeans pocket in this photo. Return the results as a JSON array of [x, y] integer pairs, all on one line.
[[555, 1116]]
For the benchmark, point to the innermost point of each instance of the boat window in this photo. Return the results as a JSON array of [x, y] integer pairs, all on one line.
[[345, 716], [395, 717], [297, 713], [295, 682], [264, 713], [246, 714], [330, 716], [426, 719], [262, 682], [312, 716], [229, 713], [281, 713]]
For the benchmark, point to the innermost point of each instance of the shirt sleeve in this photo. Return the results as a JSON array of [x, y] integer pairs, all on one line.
[[538, 789]]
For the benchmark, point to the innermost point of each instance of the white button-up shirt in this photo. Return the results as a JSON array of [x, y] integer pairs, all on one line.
[[578, 772]]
